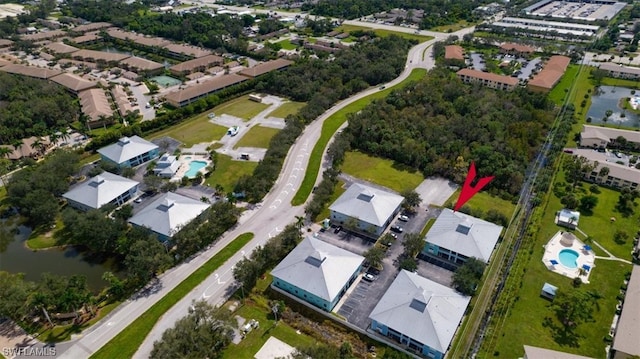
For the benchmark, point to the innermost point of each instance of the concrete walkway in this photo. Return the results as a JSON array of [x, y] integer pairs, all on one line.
[[610, 257]]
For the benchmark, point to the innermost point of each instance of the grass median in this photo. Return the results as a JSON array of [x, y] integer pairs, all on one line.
[[331, 125], [126, 343]]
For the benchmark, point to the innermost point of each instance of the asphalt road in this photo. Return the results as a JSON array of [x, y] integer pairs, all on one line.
[[265, 221]]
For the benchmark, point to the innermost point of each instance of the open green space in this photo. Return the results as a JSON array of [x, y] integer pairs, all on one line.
[[609, 81], [331, 125], [453, 27], [257, 136], [287, 44], [195, 130], [287, 108], [427, 227], [559, 92], [384, 33], [228, 171], [125, 344], [338, 190], [484, 201], [606, 279], [241, 107], [41, 238], [380, 171]]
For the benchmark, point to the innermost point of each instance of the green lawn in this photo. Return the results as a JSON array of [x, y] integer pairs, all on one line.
[[288, 108], [41, 238], [241, 107], [485, 201], [62, 333], [452, 27], [195, 130], [606, 278], [331, 125], [427, 227], [384, 33], [608, 81], [228, 171], [287, 45], [380, 171], [338, 190], [559, 92], [125, 344], [257, 136]]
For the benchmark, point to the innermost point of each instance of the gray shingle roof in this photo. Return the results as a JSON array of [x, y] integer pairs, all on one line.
[[422, 309], [368, 204], [464, 234], [318, 268], [542, 353], [628, 332], [169, 213], [127, 148], [100, 190]]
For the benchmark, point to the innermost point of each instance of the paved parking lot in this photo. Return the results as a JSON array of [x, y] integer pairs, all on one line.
[[348, 241]]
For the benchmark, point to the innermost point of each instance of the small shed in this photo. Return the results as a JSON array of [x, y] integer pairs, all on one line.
[[567, 218], [548, 291]]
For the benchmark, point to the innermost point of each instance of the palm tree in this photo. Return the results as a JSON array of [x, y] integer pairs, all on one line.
[[17, 144], [299, 222], [5, 152]]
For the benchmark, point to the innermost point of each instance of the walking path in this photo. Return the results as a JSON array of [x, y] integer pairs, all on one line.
[[610, 257]]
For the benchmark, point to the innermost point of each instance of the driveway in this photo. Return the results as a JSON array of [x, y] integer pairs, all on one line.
[[436, 191]]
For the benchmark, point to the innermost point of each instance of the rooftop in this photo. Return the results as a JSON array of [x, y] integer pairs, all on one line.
[[127, 148], [368, 204], [189, 50], [422, 309], [94, 103], [31, 71], [60, 48], [628, 331], [453, 52], [542, 353], [73, 82], [318, 268], [607, 66], [141, 64], [204, 87], [551, 72], [510, 46], [265, 67], [91, 26], [169, 213], [464, 234], [99, 55], [481, 75], [100, 190], [196, 63], [607, 133], [616, 170]]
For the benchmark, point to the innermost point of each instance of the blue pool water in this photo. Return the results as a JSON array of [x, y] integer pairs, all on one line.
[[568, 258], [194, 167]]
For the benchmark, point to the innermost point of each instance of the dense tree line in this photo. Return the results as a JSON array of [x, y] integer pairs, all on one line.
[[203, 333], [436, 13], [32, 107], [35, 190], [321, 84], [440, 125]]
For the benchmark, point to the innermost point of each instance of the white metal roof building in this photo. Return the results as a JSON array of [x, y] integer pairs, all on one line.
[[129, 152], [456, 236], [317, 272], [372, 208], [168, 214], [100, 190], [419, 313]]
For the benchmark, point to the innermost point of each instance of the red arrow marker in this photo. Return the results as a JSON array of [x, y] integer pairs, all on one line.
[[467, 190]]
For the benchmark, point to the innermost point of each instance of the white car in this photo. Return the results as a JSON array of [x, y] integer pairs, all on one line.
[[369, 277], [403, 218]]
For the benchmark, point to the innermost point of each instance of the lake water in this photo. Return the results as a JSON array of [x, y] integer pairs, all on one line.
[[17, 258], [609, 99]]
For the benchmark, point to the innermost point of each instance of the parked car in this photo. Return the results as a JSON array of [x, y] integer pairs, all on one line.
[[397, 228], [338, 229], [403, 218], [369, 277]]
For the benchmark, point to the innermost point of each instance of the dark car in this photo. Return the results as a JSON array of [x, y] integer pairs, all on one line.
[[338, 229], [397, 229]]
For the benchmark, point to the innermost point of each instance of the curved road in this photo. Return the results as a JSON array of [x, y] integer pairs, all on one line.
[[265, 221]]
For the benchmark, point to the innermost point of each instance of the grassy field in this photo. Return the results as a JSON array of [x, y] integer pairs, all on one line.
[[380, 171], [606, 278], [338, 190], [195, 130], [608, 81], [452, 27], [384, 33], [241, 107], [228, 171], [257, 136], [288, 108], [45, 238], [287, 45], [125, 344], [558, 93], [330, 126], [485, 201]]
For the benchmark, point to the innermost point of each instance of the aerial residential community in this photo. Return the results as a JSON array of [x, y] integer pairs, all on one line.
[[319, 179]]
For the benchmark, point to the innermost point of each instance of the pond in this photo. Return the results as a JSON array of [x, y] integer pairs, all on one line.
[[17, 258], [609, 98]]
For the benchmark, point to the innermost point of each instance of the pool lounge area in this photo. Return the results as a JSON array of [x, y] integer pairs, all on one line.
[[190, 165], [566, 255]]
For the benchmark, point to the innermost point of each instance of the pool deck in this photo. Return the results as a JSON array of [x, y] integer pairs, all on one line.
[[552, 252], [188, 155]]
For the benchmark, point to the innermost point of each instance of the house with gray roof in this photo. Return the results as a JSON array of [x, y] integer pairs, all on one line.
[[372, 208], [317, 272], [602, 137], [419, 313], [625, 341], [166, 215], [456, 237], [167, 166], [105, 188], [129, 152]]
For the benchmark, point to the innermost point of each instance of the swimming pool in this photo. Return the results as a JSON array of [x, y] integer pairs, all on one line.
[[194, 167], [569, 258]]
